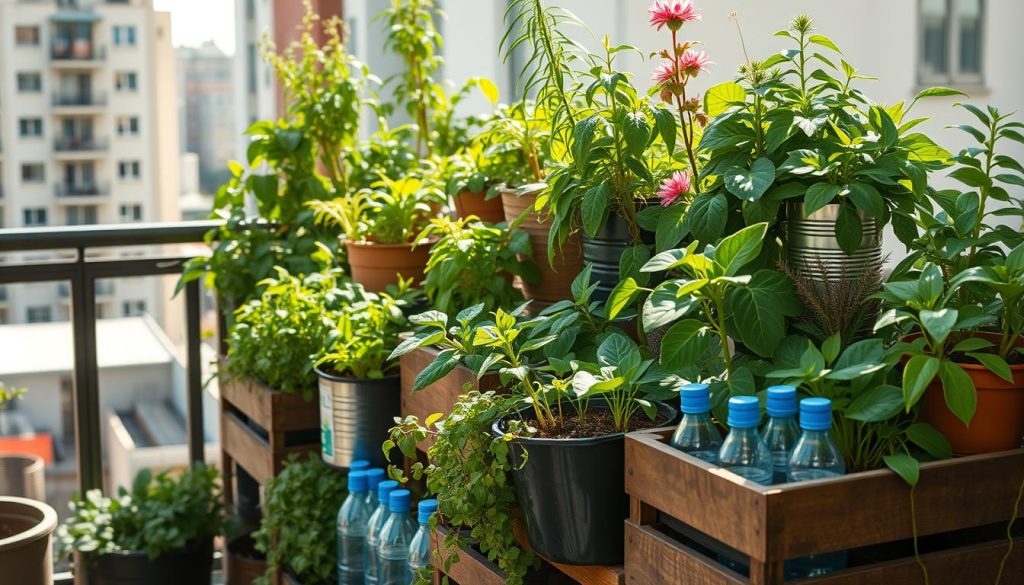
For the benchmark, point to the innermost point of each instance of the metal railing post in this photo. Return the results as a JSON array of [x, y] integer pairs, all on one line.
[[196, 438]]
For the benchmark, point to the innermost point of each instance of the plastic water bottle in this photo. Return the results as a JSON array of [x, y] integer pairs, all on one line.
[[395, 538], [696, 434], [781, 432], [815, 456], [359, 465], [744, 452], [373, 478], [419, 548], [373, 527], [352, 519]]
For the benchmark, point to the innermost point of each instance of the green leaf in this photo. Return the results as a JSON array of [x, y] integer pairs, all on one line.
[[581, 283], [685, 344], [971, 177], [416, 341], [723, 96], [708, 214], [958, 388], [632, 262], [759, 310], [663, 307], [620, 297], [867, 199], [594, 208], [672, 227], [780, 130], [824, 42], [637, 132], [930, 440], [583, 137], [665, 260], [444, 363], [876, 404], [819, 195], [665, 122], [618, 350], [905, 466], [996, 364], [738, 249], [938, 92], [830, 348], [750, 185], [972, 344], [939, 323], [929, 285], [917, 375], [849, 232], [434, 318]]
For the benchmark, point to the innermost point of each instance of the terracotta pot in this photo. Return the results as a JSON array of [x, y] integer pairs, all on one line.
[[243, 564], [375, 266], [998, 423], [555, 277], [488, 210], [25, 530]]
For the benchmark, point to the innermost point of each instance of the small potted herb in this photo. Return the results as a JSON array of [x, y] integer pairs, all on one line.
[[379, 226], [473, 190], [360, 389], [160, 532]]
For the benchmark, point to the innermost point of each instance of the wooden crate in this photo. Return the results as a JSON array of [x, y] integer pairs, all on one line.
[[473, 568], [773, 523]]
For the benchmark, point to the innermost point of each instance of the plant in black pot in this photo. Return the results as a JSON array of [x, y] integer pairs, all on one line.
[[360, 390], [160, 532]]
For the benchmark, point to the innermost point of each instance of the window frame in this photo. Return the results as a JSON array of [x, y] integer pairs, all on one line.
[[25, 75], [46, 310], [39, 35], [35, 124], [42, 175], [39, 216], [954, 76]]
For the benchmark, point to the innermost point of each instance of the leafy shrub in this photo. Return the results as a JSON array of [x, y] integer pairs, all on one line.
[[365, 331]]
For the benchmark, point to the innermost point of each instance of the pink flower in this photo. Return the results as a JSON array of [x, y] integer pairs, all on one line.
[[674, 187], [672, 13], [664, 72], [692, 62]]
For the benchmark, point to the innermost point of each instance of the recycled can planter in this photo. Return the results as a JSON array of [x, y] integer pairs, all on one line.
[[355, 416], [814, 252], [572, 493], [25, 530], [605, 249], [192, 564]]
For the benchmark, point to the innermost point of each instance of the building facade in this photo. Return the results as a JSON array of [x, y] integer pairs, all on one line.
[[88, 133], [207, 113]]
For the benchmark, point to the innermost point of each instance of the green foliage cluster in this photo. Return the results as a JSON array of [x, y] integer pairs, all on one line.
[[300, 510], [159, 514], [392, 211]]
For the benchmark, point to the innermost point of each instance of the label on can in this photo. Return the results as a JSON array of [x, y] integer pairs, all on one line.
[[326, 422]]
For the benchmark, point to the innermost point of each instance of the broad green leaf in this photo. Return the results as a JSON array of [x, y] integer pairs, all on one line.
[[620, 297], [583, 138], [849, 231], [932, 441], [632, 261], [938, 324], [750, 185], [923, 149], [972, 344], [905, 466], [594, 207], [664, 261], [685, 344], [465, 316], [721, 97], [930, 284], [434, 318], [938, 92], [444, 363], [759, 310], [996, 364], [665, 122], [708, 214], [672, 227], [819, 195], [958, 388], [824, 42], [416, 341], [867, 199], [780, 130], [831, 346], [737, 250], [581, 283], [917, 375], [662, 307], [876, 404], [971, 177], [637, 132], [618, 350]]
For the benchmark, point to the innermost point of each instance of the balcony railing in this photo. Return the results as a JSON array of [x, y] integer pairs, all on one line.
[[85, 98], [80, 190], [81, 50], [79, 144]]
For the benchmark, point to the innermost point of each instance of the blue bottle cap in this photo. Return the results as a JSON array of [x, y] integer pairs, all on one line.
[[781, 401], [385, 488], [816, 414], [359, 465], [744, 412], [399, 501], [357, 481], [425, 510], [694, 399], [374, 477]]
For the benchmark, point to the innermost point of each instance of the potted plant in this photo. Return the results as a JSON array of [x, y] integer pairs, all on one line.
[[473, 190], [159, 532], [359, 386], [25, 527], [299, 532], [473, 262]]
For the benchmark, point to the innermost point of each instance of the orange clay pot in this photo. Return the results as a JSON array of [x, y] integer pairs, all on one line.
[[489, 211], [555, 277], [375, 266], [998, 423]]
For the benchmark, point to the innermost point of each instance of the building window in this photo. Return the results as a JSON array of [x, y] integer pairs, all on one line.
[[27, 35], [951, 41], [127, 125], [30, 82], [39, 314], [128, 169], [130, 212], [251, 63], [30, 127], [133, 308], [126, 81], [124, 35], [34, 217], [81, 215], [33, 173]]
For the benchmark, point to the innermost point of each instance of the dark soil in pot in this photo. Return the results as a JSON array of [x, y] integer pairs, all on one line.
[[572, 490], [192, 564]]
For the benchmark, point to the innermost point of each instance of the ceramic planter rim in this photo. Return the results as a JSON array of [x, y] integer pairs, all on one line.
[[572, 441], [363, 243], [42, 528], [989, 335]]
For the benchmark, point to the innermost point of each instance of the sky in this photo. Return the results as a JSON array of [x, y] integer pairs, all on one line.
[[196, 21]]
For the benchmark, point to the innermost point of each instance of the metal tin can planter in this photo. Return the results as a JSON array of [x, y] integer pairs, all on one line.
[[355, 416], [605, 249], [572, 494], [814, 253]]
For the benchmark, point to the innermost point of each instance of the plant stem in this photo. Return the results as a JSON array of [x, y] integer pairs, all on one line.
[[913, 524], [1009, 533], [685, 119]]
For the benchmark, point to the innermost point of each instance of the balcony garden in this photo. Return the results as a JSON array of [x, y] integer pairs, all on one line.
[[617, 330]]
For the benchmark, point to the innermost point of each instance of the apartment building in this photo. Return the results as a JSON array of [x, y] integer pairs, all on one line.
[[88, 134], [207, 111]]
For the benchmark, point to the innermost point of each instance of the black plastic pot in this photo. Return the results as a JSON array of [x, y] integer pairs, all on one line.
[[572, 494], [192, 564], [355, 416], [604, 250]]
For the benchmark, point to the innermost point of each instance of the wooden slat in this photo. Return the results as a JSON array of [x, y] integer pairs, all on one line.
[[584, 574], [655, 559], [268, 408], [472, 568], [245, 447], [696, 493]]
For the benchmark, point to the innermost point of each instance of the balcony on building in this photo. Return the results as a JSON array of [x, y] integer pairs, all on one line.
[[74, 45], [79, 147], [80, 101], [80, 193]]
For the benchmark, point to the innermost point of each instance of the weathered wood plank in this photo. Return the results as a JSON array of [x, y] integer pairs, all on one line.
[[585, 574], [653, 558], [270, 409]]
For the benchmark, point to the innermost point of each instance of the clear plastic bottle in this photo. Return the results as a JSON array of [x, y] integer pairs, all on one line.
[[352, 519], [815, 456], [395, 538], [781, 432], [419, 548], [373, 478], [359, 465], [374, 525], [696, 434], [744, 452]]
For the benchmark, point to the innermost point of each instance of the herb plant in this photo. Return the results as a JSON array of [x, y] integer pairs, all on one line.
[[159, 514], [9, 393], [392, 212], [365, 328]]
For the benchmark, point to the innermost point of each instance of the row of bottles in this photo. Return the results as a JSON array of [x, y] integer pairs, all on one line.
[[379, 542]]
